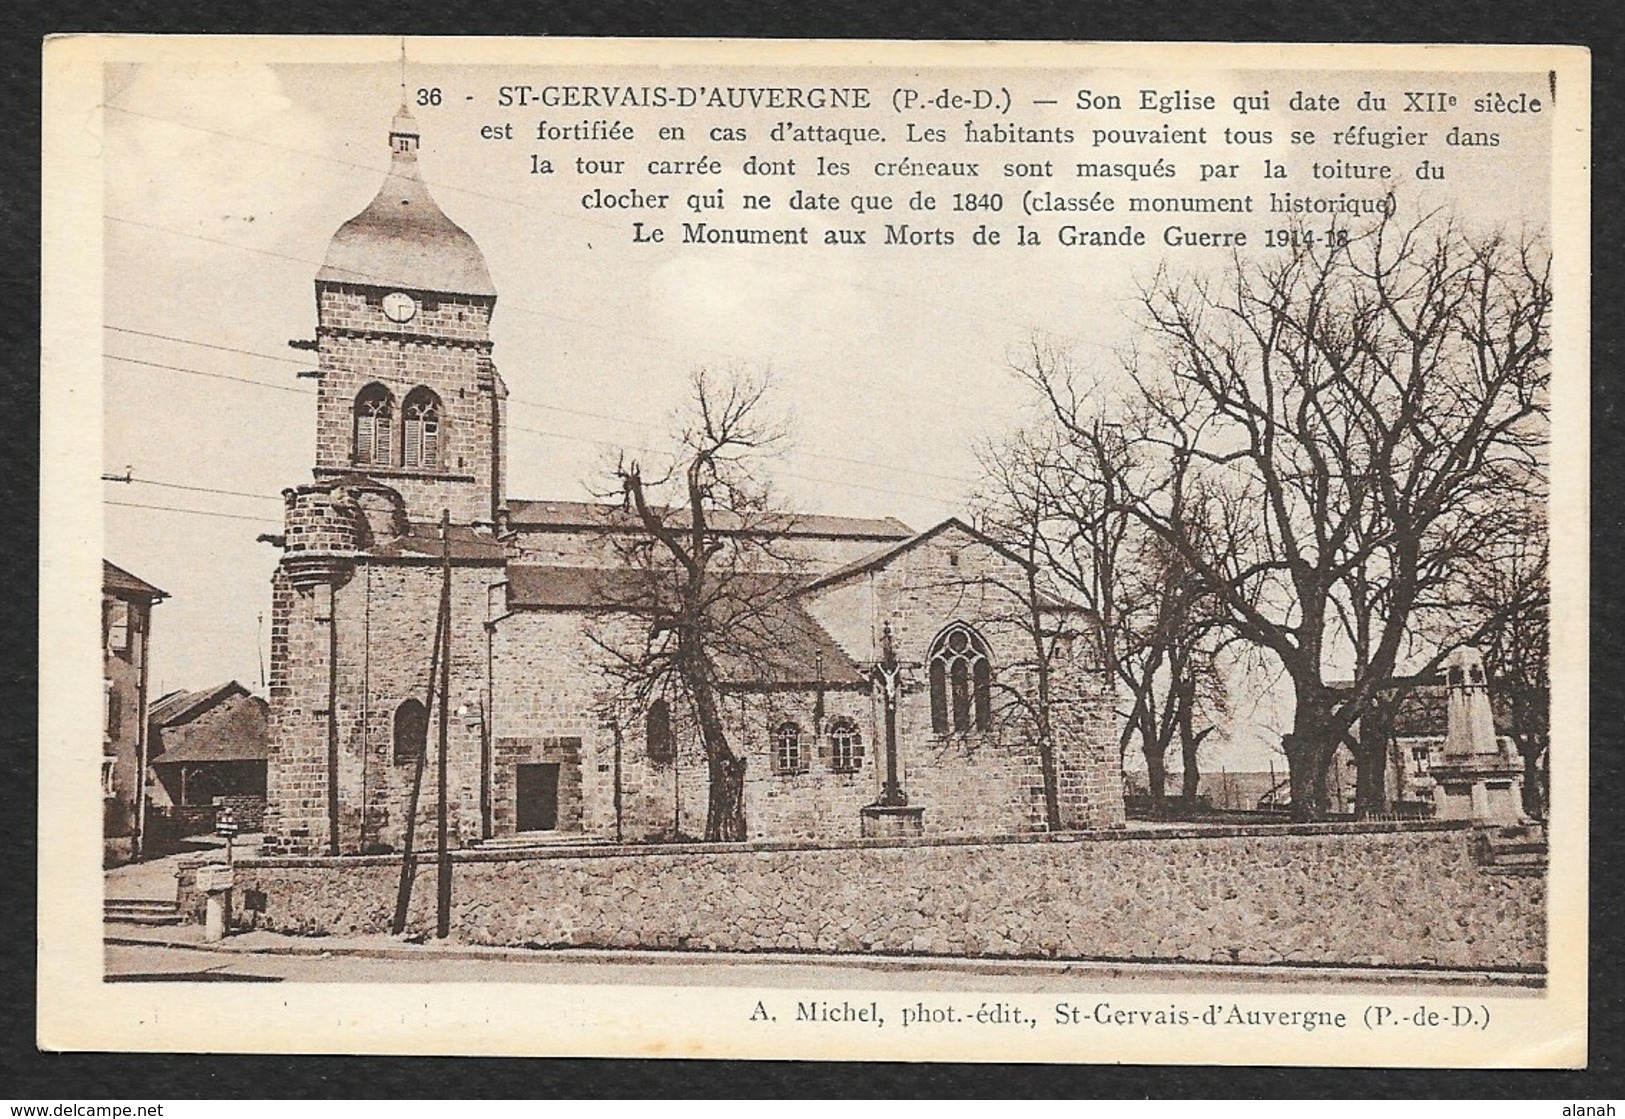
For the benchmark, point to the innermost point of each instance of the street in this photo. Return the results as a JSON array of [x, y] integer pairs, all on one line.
[[167, 962]]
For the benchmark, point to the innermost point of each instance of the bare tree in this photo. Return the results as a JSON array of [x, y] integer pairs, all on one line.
[[1367, 403], [1057, 494], [708, 578], [1514, 593], [1016, 509]]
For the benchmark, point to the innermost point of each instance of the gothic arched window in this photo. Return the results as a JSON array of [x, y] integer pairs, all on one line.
[[961, 681], [411, 731], [845, 746], [657, 732], [421, 434], [374, 424]]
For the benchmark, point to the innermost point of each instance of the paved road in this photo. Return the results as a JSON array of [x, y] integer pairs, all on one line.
[[131, 963]]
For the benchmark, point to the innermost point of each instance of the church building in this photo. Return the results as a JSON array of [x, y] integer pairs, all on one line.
[[904, 694]]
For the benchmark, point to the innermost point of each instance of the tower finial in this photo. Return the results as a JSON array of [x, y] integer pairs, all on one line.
[[403, 69]]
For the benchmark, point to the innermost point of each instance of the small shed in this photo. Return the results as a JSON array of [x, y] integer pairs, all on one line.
[[209, 749]]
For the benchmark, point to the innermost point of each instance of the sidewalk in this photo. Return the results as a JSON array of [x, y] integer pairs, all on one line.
[[154, 880], [384, 947]]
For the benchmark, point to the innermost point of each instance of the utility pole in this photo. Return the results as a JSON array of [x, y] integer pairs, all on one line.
[[443, 875], [403, 897]]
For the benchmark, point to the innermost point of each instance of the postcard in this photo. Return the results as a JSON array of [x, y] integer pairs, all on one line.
[[1067, 552]]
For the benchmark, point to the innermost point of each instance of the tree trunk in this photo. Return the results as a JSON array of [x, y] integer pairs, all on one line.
[[1189, 744], [725, 815], [1309, 749], [1046, 765], [1371, 763], [1156, 776], [1534, 780]]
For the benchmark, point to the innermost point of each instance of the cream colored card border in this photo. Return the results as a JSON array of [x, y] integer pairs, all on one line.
[[76, 1010]]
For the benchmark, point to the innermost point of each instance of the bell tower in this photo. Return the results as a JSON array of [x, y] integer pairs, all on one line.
[[408, 395]]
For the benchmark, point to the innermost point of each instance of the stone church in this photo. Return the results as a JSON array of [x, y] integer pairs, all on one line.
[[884, 636]]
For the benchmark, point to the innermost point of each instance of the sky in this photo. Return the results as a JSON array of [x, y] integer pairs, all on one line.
[[223, 182]]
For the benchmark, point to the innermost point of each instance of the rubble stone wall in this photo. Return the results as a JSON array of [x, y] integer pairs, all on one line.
[[1396, 894]]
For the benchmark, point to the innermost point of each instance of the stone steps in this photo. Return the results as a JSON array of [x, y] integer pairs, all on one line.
[[140, 911], [1518, 850]]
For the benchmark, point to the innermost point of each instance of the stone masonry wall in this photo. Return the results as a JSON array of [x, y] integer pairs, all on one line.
[[976, 782], [446, 348], [1339, 894], [549, 705], [385, 619]]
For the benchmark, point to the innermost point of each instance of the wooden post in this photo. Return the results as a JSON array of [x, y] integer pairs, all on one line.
[[443, 875], [403, 896]]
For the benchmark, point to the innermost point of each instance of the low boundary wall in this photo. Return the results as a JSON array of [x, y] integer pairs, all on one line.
[[1400, 894]]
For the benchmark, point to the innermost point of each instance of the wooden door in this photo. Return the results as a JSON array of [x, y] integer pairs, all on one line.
[[537, 808]]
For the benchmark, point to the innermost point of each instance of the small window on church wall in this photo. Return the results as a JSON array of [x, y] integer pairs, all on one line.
[[411, 731], [789, 755], [657, 732], [420, 445], [374, 425], [845, 746], [961, 679]]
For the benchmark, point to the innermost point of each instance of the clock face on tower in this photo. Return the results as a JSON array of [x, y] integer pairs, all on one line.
[[399, 306]]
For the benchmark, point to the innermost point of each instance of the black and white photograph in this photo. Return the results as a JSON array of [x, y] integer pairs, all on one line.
[[1010, 552]]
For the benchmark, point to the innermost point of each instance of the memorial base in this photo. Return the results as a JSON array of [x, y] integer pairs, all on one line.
[[882, 821]]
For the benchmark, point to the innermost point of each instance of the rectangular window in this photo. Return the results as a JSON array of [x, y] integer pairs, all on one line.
[[115, 713], [118, 626]]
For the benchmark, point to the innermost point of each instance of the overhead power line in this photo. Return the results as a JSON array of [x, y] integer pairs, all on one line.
[[193, 489], [193, 512], [817, 455], [205, 345], [207, 373]]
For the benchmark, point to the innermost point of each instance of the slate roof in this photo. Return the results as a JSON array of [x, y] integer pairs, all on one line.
[[422, 540], [603, 517], [404, 240], [116, 580], [778, 643]]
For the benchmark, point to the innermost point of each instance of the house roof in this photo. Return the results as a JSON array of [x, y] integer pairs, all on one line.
[[116, 580], [604, 517], [881, 558], [241, 736], [238, 747], [179, 707], [775, 643]]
